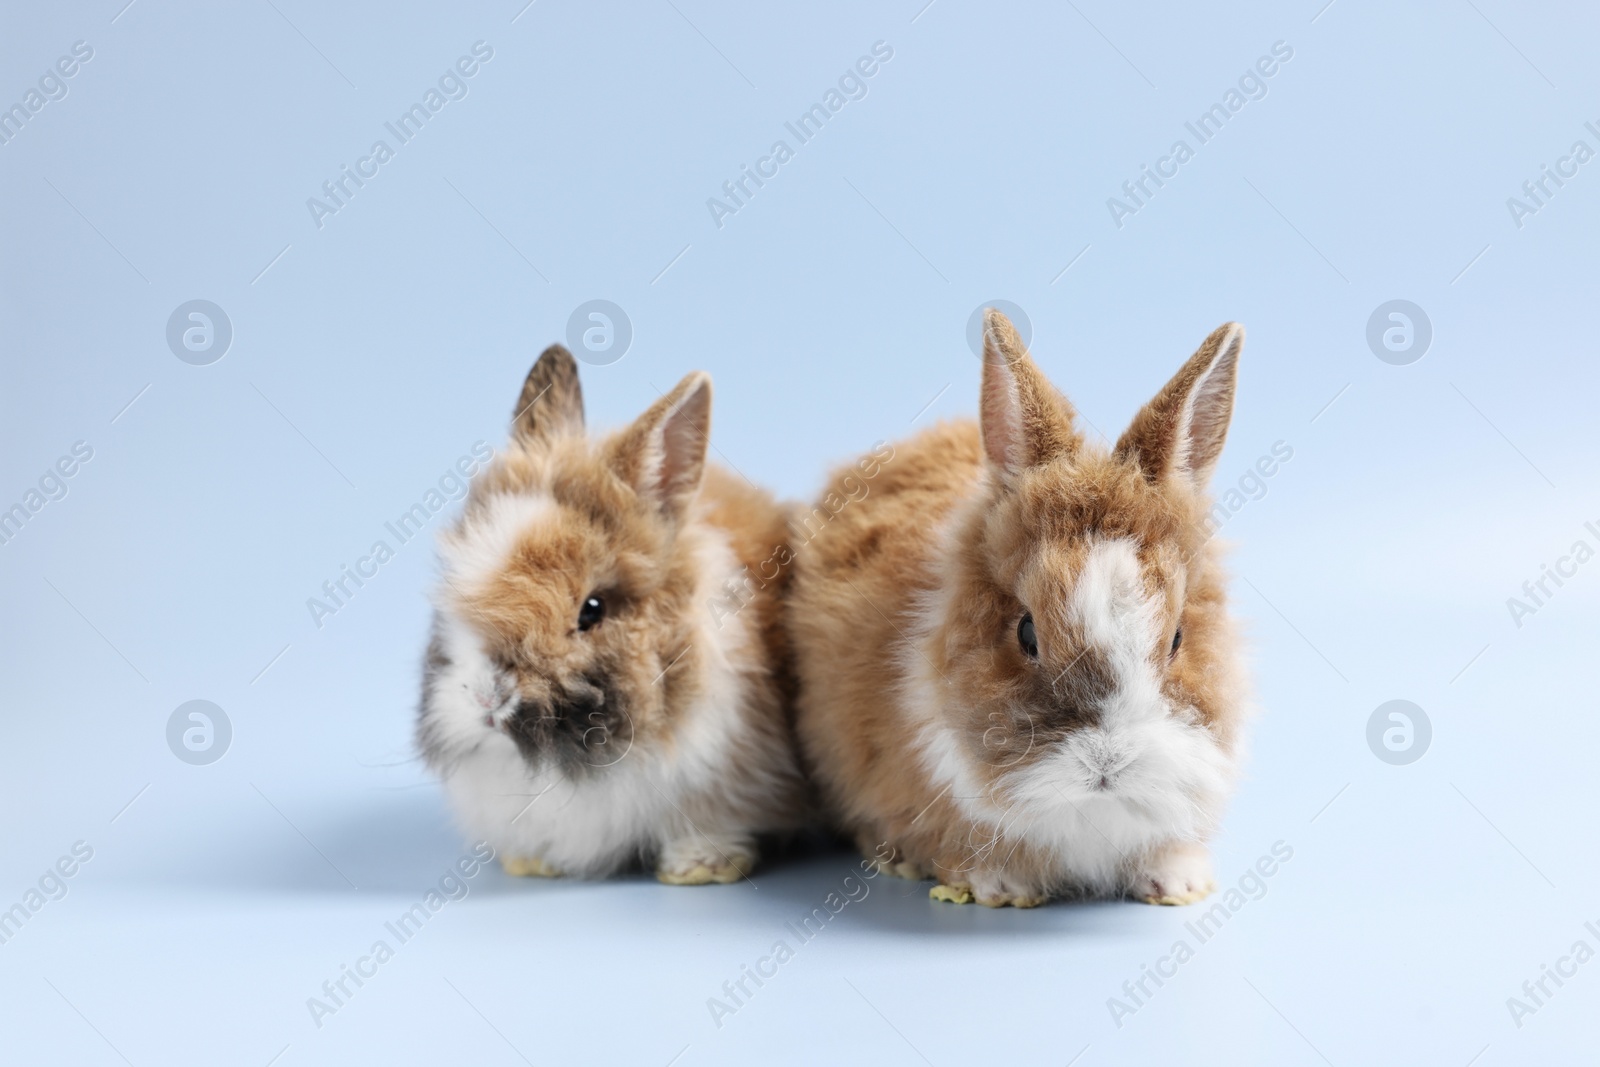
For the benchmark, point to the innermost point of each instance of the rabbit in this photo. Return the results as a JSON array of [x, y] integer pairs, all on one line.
[[607, 679], [1017, 670]]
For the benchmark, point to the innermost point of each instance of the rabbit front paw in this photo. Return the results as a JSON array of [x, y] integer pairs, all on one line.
[[992, 891], [1174, 875], [528, 867], [703, 860]]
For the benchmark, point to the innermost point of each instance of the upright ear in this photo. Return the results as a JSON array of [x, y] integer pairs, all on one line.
[[1180, 433], [1024, 419], [663, 454], [551, 403]]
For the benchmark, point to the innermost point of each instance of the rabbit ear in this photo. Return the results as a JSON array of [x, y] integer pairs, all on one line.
[[1181, 431], [552, 400], [1024, 419], [663, 454]]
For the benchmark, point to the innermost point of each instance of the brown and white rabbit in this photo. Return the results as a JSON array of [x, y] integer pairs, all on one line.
[[1017, 671], [607, 681]]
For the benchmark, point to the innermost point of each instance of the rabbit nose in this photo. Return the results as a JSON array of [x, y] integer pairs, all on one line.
[[1105, 764], [1105, 778]]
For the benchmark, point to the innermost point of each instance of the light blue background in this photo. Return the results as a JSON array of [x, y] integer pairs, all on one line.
[[830, 311]]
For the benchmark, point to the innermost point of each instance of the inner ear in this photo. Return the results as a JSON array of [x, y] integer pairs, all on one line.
[[1024, 420], [685, 436], [551, 402], [1180, 433], [663, 454]]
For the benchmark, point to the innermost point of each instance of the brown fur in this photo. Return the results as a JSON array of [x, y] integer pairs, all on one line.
[[610, 538], [632, 517], [995, 519]]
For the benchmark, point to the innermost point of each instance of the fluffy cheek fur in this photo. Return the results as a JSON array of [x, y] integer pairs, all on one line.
[[470, 703], [1096, 756], [584, 824], [632, 791], [465, 697], [519, 568]]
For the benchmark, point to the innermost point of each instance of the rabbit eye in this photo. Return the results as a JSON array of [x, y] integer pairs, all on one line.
[[593, 610], [1177, 639], [1026, 637]]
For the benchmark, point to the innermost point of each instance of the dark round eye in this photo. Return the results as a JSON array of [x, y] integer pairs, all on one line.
[[1026, 637], [1177, 639], [593, 610]]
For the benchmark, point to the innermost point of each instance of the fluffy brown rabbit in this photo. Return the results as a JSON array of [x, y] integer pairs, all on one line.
[[607, 681], [1017, 671]]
